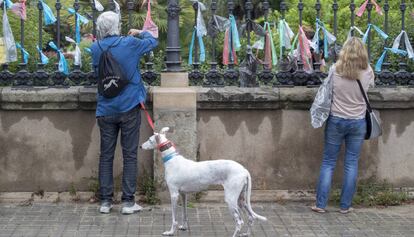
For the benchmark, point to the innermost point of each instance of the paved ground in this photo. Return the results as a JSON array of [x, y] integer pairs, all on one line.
[[206, 220]]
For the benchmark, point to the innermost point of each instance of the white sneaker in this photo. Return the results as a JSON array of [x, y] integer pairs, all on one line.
[[105, 208], [128, 209]]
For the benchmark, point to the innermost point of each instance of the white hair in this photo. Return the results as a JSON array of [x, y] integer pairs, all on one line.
[[107, 24]]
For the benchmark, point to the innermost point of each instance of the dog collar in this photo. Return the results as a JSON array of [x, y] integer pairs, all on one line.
[[165, 146], [169, 157]]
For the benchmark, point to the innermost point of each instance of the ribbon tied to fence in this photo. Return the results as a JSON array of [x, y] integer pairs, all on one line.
[[9, 43], [48, 16], [377, 29], [63, 65], [363, 7], [79, 20], [43, 58], [24, 52], [328, 38]]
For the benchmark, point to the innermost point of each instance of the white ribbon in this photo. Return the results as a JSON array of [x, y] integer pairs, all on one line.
[[408, 46], [78, 56]]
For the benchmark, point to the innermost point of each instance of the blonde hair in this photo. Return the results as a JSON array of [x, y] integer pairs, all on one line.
[[353, 58]]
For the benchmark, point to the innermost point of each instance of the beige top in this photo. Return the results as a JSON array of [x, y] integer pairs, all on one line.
[[348, 101]]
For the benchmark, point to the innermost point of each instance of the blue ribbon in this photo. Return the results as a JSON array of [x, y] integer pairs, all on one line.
[[43, 58], [377, 29], [79, 19], [48, 14], [320, 25], [63, 65], [378, 65], [88, 50], [7, 4], [200, 44], [24, 52]]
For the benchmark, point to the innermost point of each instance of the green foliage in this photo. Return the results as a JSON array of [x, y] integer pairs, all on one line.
[[149, 190], [371, 193]]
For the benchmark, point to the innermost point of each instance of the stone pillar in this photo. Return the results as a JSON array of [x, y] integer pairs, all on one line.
[[174, 106]]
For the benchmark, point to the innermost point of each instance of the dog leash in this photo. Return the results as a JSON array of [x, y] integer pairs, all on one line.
[[148, 116]]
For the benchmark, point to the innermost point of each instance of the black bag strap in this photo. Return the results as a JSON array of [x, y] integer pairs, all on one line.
[[365, 96], [112, 45]]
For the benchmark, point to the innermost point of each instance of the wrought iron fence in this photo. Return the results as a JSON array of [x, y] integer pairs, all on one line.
[[214, 76]]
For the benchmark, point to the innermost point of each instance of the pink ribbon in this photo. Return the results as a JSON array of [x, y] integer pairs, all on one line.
[[20, 9], [149, 25], [304, 47], [363, 7]]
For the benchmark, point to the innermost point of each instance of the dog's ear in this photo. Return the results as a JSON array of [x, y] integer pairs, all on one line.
[[164, 130], [157, 138]]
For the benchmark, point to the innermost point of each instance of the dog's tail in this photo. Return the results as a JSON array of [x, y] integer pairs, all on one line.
[[248, 194]]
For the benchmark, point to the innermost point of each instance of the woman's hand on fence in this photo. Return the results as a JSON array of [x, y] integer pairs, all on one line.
[[134, 32]]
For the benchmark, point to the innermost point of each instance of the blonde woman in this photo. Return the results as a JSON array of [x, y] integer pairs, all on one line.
[[346, 122]]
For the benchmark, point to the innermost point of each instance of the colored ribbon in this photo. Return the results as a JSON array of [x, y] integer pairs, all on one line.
[[149, 25], [231, 42], [285, 36], [88, 50], [234, 33], [328, 38], [9, 43], [24, 52], [304, 50], [201, 45], [378, 65], [19, 9], [269, 39], [408, 46], [356, 29], [48, 16], [377, 29], [79, 19], [201, 26], [363, 7], [78, 56], [7, 4], [98, 6], [63, 65], [43, 58]]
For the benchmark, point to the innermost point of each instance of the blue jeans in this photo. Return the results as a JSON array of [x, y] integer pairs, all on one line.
[[129, 124], [337, 130]]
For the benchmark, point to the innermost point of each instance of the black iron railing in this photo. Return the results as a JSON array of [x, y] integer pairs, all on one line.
[[285, 74]]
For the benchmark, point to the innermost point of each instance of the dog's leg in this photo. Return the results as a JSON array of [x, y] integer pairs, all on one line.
[[231, 193], [184, 226], [243, 206], [174, 200]]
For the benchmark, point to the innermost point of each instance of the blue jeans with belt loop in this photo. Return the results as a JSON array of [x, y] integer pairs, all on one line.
[[338, 130], [129, 123]]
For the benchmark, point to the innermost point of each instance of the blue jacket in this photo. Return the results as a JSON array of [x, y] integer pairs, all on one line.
[[128, 54]]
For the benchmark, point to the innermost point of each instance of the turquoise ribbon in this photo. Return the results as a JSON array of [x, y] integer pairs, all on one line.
[[79, 19], [8, 4], [24, 52], [320, 25], [200, 44], [234, 33], [377, 29], [378, 65], [63, 65], [43, 58], [169, 157], [88, 50], [48, 14]]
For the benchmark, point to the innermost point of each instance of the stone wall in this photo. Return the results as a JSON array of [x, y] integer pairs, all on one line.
[[49, 139]]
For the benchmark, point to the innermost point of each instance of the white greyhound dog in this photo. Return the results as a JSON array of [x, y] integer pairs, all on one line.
[[185, 176]]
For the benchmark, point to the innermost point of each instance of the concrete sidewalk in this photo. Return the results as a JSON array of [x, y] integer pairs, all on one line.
[[206, 220]]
